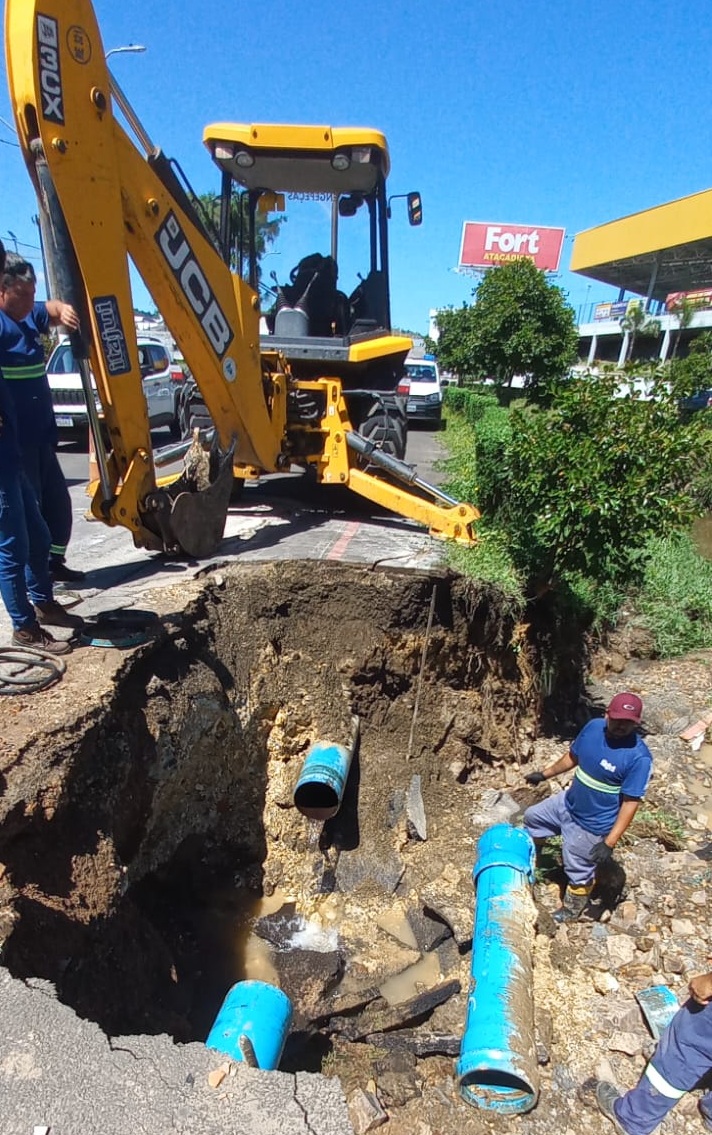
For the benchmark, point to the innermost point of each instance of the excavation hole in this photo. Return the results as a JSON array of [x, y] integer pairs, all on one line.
[[169, 861]]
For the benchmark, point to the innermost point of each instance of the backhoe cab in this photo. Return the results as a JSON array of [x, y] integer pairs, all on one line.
[[306, 206]]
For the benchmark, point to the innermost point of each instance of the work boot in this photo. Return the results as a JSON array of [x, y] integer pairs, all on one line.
[[55, 615], [37, 638], [575, 902], [63, 574], [606, 1096]]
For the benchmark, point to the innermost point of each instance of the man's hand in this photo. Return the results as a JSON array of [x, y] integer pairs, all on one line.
[[600, 853], [535, 778], [67, 316], [701, 989]]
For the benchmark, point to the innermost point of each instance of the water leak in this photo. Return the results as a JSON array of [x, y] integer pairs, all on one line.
[[705, 754], [412, 980]]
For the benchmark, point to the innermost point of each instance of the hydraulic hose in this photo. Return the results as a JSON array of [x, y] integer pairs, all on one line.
[[28, 659]]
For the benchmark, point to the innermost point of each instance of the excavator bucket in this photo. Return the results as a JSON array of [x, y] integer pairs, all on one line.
[[198, 514]]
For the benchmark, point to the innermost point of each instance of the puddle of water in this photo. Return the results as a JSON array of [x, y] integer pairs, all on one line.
[[703, 804], [405, 984], [705, 754]]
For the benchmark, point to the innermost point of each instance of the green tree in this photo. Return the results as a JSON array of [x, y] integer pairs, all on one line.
[[637, 323], [520, 324], [266, 229], [455, 341], [684, 310]]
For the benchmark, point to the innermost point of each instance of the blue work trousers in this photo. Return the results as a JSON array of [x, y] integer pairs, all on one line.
[[552, 817], [682, 1057], [24, 551], [45, 474]]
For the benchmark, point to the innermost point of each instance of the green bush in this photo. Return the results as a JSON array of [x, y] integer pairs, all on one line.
[[589, 481]]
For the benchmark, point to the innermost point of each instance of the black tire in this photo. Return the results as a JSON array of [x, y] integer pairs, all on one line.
[[192, 410], [387, 428]]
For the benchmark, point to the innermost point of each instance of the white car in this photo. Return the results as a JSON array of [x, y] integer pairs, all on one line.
[[162, 382], [425, 397]]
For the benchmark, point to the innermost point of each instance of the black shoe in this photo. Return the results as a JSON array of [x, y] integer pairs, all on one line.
[[705, 1112], [54, 614], [37, 638], [606, 1096], [63, 574], [573, 907]]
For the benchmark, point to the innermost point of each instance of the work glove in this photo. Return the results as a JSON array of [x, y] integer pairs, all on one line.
[[535, 778], [600, 853]]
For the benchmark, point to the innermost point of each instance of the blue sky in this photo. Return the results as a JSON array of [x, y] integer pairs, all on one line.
[[565, 113]]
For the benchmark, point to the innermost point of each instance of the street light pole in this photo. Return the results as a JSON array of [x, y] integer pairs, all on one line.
[[128, 49]]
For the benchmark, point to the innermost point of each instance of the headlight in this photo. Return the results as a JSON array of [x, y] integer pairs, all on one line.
[[432, 399]]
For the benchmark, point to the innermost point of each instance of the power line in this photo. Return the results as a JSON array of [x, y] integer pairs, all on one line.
[[4, 142], [22, 243]]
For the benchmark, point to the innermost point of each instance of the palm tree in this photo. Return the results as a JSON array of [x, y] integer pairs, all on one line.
[[683, 308], [636, 322]]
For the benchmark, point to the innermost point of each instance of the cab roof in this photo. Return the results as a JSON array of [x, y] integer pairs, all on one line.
[[299, 159]]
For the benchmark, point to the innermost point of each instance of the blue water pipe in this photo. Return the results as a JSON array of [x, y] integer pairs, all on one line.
[[322, 779], [254, 1018], [497, 1068]]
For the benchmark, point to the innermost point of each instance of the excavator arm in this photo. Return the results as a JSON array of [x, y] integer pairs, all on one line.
[[105, 201]]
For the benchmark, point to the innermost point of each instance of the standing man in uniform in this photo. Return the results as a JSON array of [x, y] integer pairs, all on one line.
[[22, 322], [612, 766], [25, 584], [682, 1058]]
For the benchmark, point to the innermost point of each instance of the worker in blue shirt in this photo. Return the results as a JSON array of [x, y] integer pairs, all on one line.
[[22, 323], [25, 584], [612, 767], [682, 1058]]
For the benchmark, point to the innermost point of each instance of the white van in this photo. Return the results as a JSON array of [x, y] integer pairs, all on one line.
[[425, 397]]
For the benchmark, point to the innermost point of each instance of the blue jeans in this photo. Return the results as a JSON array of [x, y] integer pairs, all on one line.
[[44, 472], [552, 817], [682, 1057], [24, 551]]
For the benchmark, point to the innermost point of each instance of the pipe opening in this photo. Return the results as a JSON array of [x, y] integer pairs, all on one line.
[[316, 800], [496, 1090]]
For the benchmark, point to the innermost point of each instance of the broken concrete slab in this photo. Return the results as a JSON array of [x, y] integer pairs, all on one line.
[[137, 1082]]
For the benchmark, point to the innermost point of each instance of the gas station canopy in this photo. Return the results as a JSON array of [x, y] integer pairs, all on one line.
[[652, 253]]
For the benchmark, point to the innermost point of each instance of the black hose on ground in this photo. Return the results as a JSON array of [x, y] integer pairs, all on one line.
[[21, 680]]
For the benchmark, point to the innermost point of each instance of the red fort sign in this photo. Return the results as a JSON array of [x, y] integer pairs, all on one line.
[[486, 244]]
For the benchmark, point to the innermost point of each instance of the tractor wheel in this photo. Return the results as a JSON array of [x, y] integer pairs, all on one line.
[[387, 427]]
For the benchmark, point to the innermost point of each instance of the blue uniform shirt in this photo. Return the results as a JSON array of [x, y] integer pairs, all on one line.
[[23, 366], [607, 767]]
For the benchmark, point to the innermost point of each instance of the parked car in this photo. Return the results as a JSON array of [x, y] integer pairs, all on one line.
[[425, 397], [162, 383], [701, 400]]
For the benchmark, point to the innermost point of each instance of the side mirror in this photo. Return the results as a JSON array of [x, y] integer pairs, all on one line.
[[415, 209]]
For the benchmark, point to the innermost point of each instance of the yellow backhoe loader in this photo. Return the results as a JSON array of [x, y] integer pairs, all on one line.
[[311, 382]]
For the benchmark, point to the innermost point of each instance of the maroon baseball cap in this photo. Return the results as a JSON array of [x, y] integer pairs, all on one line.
[[626, 707]]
